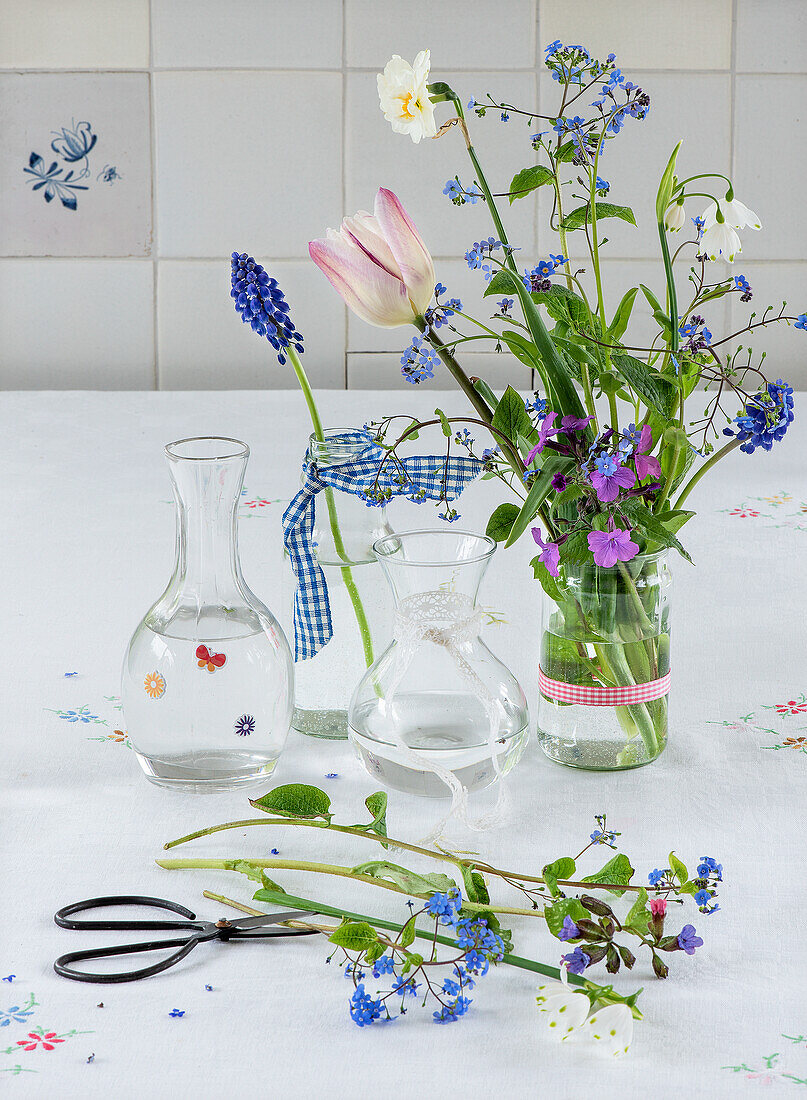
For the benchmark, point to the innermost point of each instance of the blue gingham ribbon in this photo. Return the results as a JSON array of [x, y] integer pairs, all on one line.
[[423, 477]]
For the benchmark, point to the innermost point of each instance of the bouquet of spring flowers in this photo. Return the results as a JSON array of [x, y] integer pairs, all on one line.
[[603, 493]]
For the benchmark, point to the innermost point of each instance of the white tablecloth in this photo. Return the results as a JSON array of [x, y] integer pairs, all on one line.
[[88, 531]]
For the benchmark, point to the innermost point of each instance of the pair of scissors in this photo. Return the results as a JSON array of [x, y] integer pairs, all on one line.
[[199, 931]]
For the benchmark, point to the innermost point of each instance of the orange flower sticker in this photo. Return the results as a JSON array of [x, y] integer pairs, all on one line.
[[154, 685]]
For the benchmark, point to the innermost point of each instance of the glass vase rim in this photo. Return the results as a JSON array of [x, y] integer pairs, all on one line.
[[335, 437], [484, 556], [173, 453]]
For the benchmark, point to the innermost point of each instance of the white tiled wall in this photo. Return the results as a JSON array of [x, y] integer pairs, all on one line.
[[254, 124]]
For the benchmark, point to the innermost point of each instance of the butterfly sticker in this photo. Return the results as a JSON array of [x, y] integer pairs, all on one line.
[[208, 660]]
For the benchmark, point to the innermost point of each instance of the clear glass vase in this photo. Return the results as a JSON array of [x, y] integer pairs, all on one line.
[[437, 708], [361, 606], [208, 679], [605, 664]]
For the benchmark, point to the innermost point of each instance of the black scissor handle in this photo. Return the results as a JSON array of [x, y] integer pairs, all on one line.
[[61, 918], [62, 965]]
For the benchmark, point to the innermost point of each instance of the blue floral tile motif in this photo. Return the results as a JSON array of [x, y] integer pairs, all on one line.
[[64, 189], [73, 144], [245, 725]]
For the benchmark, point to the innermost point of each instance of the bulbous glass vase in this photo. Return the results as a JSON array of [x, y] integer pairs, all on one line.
[[437, 711], [208, 680]]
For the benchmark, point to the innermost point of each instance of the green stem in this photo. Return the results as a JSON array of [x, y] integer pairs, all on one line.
[[338, 542], [389, 926], [693, 481], [391, 842], [672, 295], [322, 869]]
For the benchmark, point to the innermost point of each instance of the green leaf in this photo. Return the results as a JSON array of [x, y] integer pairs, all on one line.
[[377, 805], [563, 304], [444, 424], [511, 417], [354, 936], [622, 316], [652, 300], [655, 389], [650, 526], [639, 915], [295, 800], [410, 881], [674, 520], [528, 179], [678, 868], [411, 962], [617, 870], [566, 151], [503, 282], [244, 867], [559, 910], [523, 349], [562, 868], [536, 495], [548, 582], [577, 219], [408, 932], [575, 550], [486, 392], [501, 522], [373, 953], [475, 886]]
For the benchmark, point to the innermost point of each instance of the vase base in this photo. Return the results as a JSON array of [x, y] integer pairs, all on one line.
[[329, 725], [208, 771], [596, 756]]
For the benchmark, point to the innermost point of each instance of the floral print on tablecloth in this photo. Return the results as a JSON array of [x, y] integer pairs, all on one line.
[[780, 510], [789, 730]]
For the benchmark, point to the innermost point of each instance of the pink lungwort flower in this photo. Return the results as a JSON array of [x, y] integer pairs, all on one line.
[[609, 477], [609, 547], [544, 432], [379, 264], [658, 907], [550, 551], [646, 465]]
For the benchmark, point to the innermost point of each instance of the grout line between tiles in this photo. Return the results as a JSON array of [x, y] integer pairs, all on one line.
[[154, 235], [343, 158]]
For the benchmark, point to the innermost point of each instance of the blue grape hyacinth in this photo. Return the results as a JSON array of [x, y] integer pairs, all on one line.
[[262, 304]]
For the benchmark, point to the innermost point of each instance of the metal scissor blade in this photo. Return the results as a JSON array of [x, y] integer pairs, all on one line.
[[245, 923]]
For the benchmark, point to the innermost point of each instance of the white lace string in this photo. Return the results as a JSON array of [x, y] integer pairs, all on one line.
[[415, 624]]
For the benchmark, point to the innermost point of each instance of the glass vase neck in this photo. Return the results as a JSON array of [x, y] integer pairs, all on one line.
[[419, 562], [207, 475], [338, 445]]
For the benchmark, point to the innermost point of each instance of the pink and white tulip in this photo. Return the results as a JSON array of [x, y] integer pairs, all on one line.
[[379, 264]]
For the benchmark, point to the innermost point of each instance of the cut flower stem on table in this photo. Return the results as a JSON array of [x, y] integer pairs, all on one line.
[[569, 903]]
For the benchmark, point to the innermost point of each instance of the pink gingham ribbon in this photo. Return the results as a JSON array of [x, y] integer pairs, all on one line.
[[602, 696]]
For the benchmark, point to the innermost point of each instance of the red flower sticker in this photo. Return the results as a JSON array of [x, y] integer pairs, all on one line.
[[48, 1041]]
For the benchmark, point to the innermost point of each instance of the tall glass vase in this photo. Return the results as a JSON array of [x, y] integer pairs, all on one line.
[[437, 714], [604, 673], [361, 606], [208, 678]]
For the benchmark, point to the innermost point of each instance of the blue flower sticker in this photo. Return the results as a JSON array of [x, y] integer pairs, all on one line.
[[245, 725]]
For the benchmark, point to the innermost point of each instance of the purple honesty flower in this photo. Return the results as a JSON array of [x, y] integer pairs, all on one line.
[[646, 465], [544, 432], [687, 940], [575, 423], [550, 552], [609, 477], [609, 547], [569, 931], [576, 961]]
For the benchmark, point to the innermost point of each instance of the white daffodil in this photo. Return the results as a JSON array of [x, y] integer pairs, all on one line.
[[564, 1010], [735, 213], [720, 239], [675, 217], [610, 1028], [405, 98]]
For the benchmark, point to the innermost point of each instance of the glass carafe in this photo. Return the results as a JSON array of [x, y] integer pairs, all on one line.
[[361, 606], [208, 679], [437, 711]]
